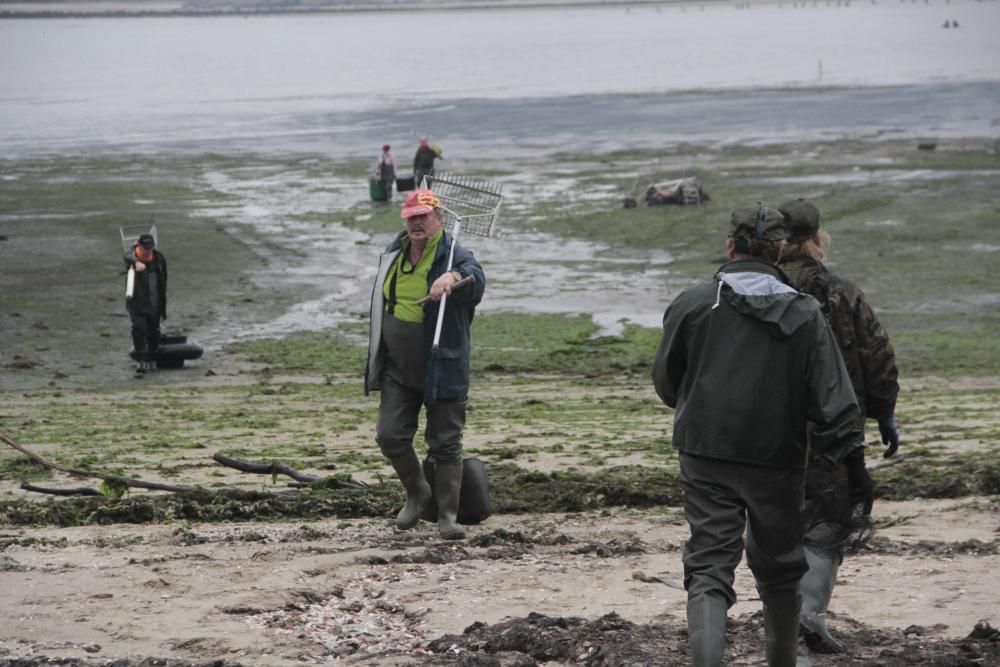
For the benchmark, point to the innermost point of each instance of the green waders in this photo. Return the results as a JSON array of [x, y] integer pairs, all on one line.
[[418, 491], [447, 487], [706, 616], [817, 589]]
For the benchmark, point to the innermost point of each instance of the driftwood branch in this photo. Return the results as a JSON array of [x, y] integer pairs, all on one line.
[[888, 463], [79, 491], [275, 468], [79, 472]]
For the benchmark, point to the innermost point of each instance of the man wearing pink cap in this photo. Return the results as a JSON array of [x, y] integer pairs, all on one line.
[[402, 367]]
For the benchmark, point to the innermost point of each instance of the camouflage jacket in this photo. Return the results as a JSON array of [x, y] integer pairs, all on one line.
[[863, 341]]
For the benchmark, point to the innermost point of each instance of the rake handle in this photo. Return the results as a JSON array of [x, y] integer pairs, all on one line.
[[456, 230], [464, 281]]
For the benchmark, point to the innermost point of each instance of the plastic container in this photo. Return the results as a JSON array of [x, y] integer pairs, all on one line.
[[474, 503], [376, 190], [405, 183], [173, 351]]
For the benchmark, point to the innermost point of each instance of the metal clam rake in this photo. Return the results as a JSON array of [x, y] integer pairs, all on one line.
[[469, 205]]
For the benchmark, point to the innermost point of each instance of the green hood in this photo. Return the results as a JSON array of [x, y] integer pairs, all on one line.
[[756, 290]]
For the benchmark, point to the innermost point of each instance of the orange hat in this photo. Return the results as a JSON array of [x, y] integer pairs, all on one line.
[[419, 202]]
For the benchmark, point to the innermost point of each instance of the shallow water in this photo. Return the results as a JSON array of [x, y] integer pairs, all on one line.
[[330, 268], [518, 83], [342, 84]]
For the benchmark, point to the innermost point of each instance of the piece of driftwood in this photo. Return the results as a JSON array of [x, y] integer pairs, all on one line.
[[888, 463], [79, 491], [275, 468], [111, 479], [272, 468], [639, 575]]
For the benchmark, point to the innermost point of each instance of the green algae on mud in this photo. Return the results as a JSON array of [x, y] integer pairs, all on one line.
[[502, 342], [915, 229], [63, 306], [950, 476], [512, 489]]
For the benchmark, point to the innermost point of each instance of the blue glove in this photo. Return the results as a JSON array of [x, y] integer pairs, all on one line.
[[890, 435]]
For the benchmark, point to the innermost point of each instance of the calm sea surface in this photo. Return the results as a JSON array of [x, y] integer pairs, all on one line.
[[482, 83], [342, 83]]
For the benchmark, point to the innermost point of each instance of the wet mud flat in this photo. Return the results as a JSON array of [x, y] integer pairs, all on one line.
[[270, 257], [265, 246], [358, 592], [579, 564]]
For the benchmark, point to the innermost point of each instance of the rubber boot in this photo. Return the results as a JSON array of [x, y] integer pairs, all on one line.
[[817, 588], [448, 485], [781, 632], [418, 491], [706, 616]]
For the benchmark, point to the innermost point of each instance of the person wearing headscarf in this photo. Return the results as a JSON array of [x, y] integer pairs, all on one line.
[[839, 500], [385, 170]]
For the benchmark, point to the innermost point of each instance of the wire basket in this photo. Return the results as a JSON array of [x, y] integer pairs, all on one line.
[[473, 202], [131, 233]]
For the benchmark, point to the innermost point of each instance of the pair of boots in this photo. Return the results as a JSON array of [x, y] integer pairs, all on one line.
[[447, 487], [817, 589], [144, 365], [707, 632]]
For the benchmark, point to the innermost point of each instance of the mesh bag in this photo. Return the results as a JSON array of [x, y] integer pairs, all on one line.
[[834, 525]]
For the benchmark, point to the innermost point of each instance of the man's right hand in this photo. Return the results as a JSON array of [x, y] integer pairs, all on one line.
[[139, 266], [862, 488]]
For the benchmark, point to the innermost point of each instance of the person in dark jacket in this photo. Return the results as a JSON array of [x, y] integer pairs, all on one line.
[[148, 305], [385, 170], [406, 370], [423, 162], [748, 362], [838, 501]]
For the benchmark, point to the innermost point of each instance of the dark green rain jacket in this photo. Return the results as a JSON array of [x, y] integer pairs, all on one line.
[[747, 361]]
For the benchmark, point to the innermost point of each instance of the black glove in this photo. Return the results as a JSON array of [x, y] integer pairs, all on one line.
[[862, 489], [890, 435]]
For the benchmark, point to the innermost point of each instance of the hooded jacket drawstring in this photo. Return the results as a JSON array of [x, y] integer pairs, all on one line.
[[718, 294]]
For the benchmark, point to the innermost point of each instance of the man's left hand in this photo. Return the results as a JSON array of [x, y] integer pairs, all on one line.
[[443, 285], [890, 435]]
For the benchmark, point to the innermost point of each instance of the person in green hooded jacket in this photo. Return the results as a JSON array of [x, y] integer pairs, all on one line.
[[749, 363]]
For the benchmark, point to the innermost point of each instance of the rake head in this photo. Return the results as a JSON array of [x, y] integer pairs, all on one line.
[[130, 235], [475, 202]]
